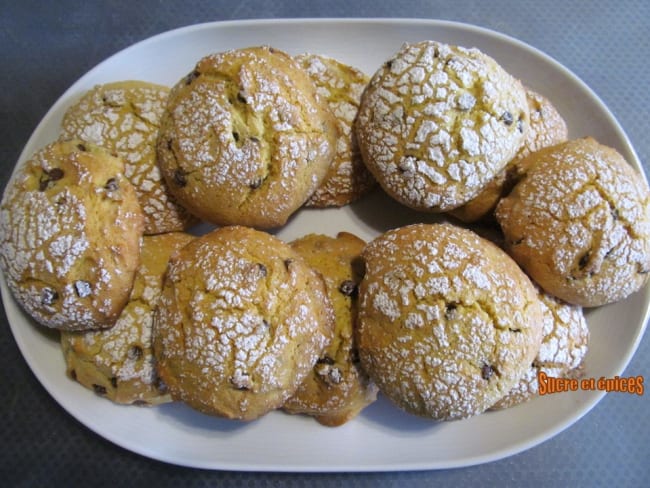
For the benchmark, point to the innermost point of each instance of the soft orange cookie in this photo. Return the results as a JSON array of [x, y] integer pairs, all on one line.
[[240, 324], [579, 223], [70, 232], [337, 388]]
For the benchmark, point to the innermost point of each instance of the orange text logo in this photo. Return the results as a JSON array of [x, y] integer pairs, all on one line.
[[551, 384]]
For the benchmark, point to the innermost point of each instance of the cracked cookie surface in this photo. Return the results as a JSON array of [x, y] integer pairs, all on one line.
[[547, 128], [244, 139], [117, 363], [438, 122], [341, 86], [241, 322], [448, 323], [124, 117], [561, 355], [337, 388], [579, 223], [70, 232]]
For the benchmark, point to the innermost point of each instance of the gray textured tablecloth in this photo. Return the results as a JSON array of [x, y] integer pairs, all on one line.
[[46, 46]]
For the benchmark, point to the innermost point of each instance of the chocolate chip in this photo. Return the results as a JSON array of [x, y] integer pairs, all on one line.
[[82, 147], [82, 288], [54, 174], [507, 118], [99, 389], [450, 310], [348, 288], [49, 296], [134, 353], [487, 371], [180, 177], [191, 77], [114, 381], [112, 185]]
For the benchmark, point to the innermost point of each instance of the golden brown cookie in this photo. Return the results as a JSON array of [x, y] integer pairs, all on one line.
[[341, 86], [579, 223], [241, 322], [244, 139], [448, 323], [563, 349], [70, 232], [437, 122], [337, 388], [117, 363], [547, 128], [124, 117]]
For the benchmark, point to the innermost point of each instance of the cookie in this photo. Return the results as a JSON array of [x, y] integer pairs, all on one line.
[[241, 322], [448, 323], [579, 223], [547, 128], [561, 355], [244, 138], [337, 388], [124, 118], [438, 122], [70, 232], [341, 86], [117, 363]]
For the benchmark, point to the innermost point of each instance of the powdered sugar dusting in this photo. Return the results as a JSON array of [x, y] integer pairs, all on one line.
[[584, 213], [429, 331], [341, 86], [231, 348], [247, 133], [121, 358], [563, 349], [64, 270], [438, 122], [124, 118]]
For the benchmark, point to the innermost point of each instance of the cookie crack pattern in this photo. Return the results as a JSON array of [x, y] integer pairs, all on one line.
[[436, 124]]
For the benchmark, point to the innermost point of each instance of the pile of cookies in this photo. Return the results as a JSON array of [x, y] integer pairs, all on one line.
[[97, 237]]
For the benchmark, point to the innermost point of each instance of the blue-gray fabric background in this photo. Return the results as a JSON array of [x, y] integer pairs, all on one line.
[[46, 46]]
